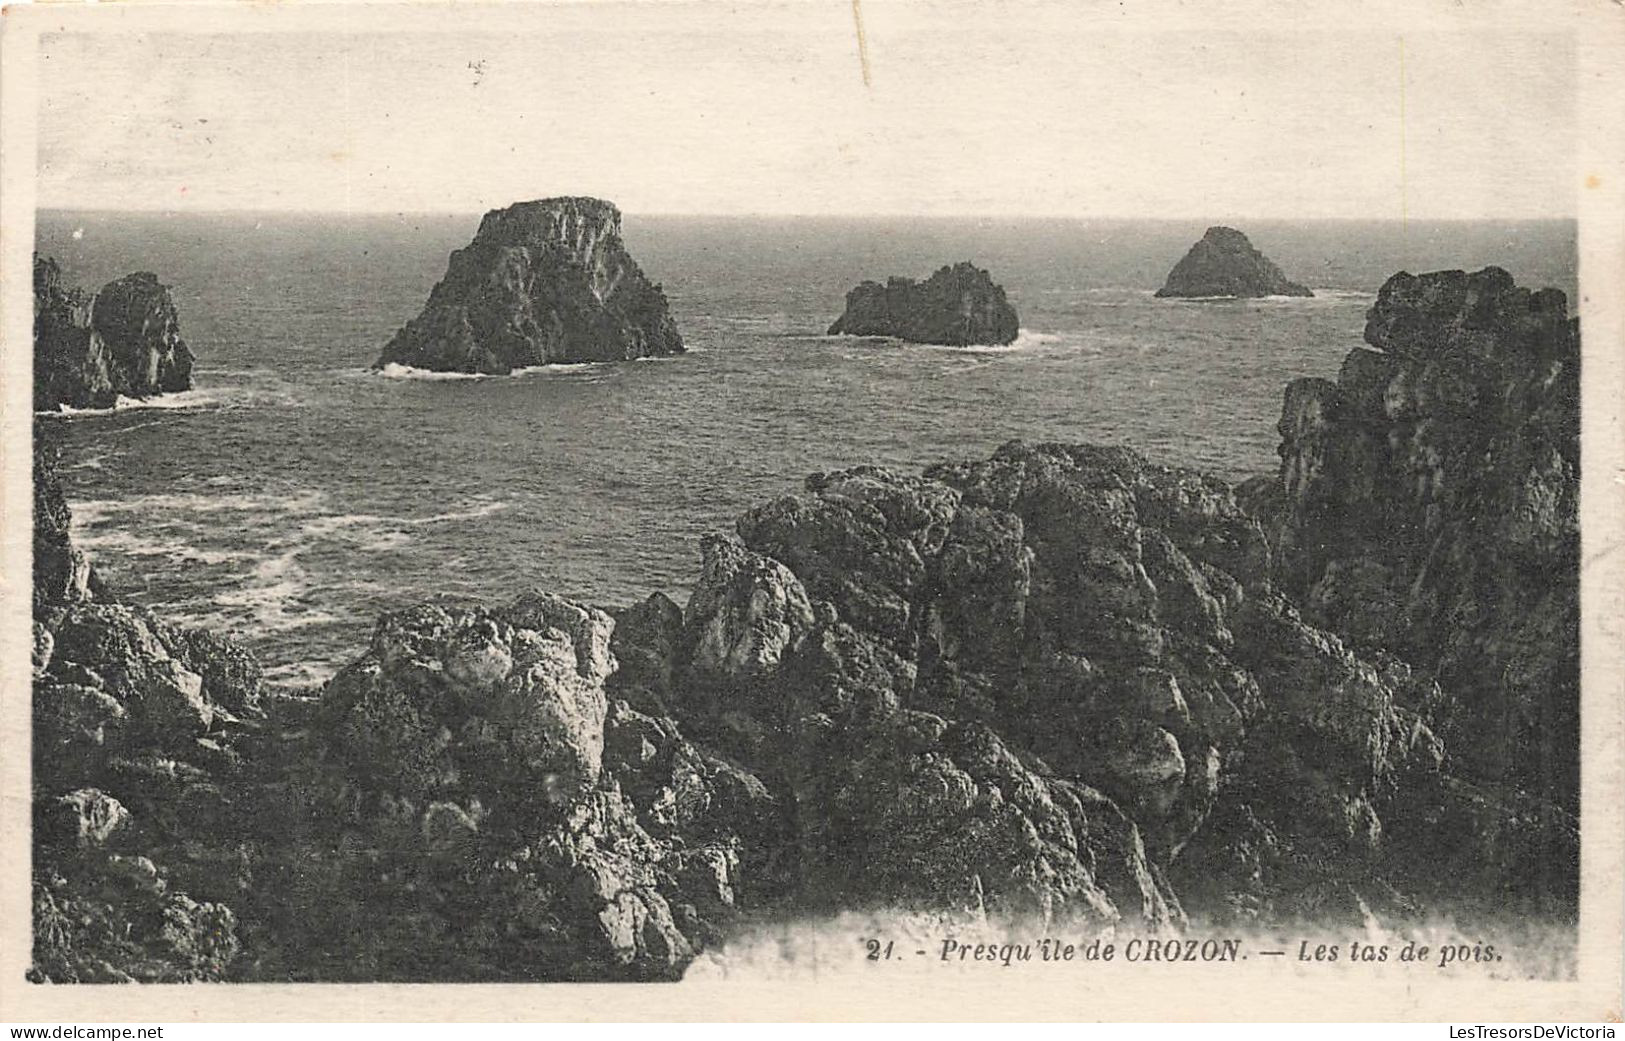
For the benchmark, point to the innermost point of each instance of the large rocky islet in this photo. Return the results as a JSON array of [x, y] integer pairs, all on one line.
[[90, 350], [1063, 680], [542, 282]]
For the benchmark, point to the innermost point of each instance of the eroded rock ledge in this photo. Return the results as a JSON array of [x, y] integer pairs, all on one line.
[[542, 282], [958, 306], [90, 350]]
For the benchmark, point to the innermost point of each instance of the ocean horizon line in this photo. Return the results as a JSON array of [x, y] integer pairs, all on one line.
[[846, 216]]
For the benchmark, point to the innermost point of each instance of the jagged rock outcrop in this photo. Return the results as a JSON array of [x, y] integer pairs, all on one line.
[[89, 351], [1427, 503], [544, 281], [958, 306], [62, 572], [486, 761], [1224, 263], [1073, 613]]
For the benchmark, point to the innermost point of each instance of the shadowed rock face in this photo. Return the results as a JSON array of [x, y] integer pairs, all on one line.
[[1224, 263], [91, 350], [1427, 504], [1062, 624], [542, 282], [958, 306], [485, 742]]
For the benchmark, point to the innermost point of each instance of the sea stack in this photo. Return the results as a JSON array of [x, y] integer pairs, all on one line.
[[543, 282], [89, 351], [957, 306], [1224, 263]]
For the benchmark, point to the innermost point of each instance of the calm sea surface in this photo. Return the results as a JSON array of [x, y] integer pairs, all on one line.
[[293, 495]]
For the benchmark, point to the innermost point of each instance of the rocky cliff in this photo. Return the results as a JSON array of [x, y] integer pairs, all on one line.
[[131, 746], [543, 281], [1427, 503], [958, 306], [1224, 263], [89, 351]]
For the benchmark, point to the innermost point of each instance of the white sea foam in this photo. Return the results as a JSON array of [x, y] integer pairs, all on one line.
[[185, 399], [1026, 340], [319, 527], [1104, 291], [301, 674], [92, 461], [181, 505], [560, 368], [1321, 297], [263, 537], [254, 373], [1297, 301], [114, 540], [473, 513], [395, 371], [123, 430], [272, 593]]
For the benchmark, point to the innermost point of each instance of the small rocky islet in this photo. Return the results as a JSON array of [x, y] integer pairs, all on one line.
[[1064, 681], [542, 282], [1223, 263], [958, 306]]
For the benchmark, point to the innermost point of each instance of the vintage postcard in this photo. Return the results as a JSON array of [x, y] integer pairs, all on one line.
[[839, 510]]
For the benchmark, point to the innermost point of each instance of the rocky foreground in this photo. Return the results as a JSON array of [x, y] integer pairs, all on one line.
[[1063, 681], [90, 350], [1224, 263], [542, 282], [957, 306]]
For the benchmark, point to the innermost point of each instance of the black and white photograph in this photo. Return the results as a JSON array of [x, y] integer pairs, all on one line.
[[964, 495]]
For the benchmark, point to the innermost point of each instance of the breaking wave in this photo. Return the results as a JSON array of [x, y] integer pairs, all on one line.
[[396, 371], [185, 399]]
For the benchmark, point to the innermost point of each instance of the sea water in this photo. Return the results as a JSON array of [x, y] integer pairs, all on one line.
[[294, 494]]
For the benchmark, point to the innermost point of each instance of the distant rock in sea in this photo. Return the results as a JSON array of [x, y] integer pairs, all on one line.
[[1224, 263], [89, 351], [542, 282], [957, 306]]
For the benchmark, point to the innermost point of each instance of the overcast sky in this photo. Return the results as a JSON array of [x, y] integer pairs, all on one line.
[[990, 108]]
